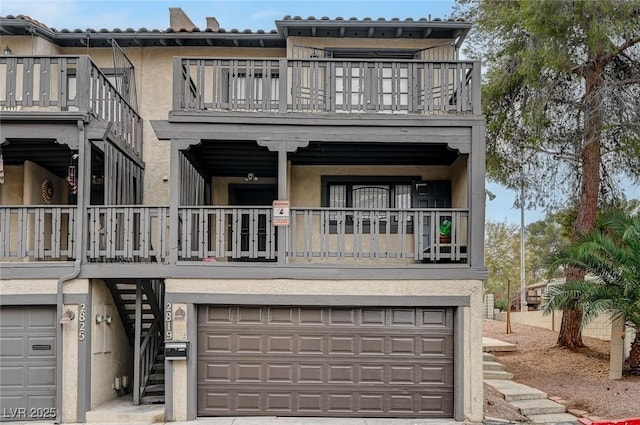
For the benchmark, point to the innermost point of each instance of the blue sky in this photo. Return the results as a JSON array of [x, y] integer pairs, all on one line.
[[254, 15]]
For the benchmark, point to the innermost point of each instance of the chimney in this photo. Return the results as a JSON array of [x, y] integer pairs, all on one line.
[[179, 20], [213, 24]]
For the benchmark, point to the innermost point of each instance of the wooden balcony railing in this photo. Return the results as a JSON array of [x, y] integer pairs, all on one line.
[[378, 234], [235, 234], [140, 234], [327, 85], [127, 234], [38, 233], [68, 83]]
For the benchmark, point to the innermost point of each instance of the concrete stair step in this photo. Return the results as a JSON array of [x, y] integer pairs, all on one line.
[[492, 366], [152, 399], [554, 418], [497, 374], [493, 345], [488, 357], [538, 407], [512, 391], [158, 367]]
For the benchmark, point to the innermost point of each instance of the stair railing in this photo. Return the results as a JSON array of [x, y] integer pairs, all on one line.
[[146, 350]]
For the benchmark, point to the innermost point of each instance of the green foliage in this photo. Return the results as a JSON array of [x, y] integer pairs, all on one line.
[[501, 304], [538, 56], [611, 257], [502, 257]]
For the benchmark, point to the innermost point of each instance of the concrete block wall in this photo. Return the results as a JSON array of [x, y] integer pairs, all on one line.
[[488, 306]]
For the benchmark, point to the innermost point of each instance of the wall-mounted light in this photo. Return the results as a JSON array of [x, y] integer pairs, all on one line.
[[251, 178], [67, 317], [7, 51], [72, 178], [99, 318], [108, 319]]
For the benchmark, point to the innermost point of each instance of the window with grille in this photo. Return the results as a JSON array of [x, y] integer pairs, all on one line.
[[364, 199]]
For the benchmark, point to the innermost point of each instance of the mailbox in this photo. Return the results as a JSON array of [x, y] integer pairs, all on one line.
[[176, 350]]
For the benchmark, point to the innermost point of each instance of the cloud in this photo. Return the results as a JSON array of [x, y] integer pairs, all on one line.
[[266, 14]]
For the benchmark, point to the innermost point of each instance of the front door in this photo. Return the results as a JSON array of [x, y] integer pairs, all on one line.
[[252, 237]]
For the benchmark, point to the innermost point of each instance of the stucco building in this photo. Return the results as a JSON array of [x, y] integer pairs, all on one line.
[[301, 210]]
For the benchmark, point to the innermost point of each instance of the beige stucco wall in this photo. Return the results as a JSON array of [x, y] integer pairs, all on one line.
[[111, 354], [27, 45], [23, 185], [471, 318], [306, 187], [41, 286], [12, 190], [70, 367], [34, 176]]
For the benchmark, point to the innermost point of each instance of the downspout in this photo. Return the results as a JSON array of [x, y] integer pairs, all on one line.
[[82, 166]]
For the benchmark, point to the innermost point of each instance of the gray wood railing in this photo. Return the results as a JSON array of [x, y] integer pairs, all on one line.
[[236, 234], [127, 234], [327, 85], [68, 83], [38, 232], [378, 234], [140, 234]]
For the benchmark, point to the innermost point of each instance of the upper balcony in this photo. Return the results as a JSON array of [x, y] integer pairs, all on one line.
[[326, 85], [55, 86]]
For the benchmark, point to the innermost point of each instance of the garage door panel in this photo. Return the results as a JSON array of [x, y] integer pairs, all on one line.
[[349, 402], [27, 359], [12, 347], [325, 361]]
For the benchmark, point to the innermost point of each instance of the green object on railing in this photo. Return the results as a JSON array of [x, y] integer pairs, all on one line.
[[445, 228]]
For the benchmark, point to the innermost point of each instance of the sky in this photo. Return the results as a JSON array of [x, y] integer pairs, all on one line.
[[254, 15]]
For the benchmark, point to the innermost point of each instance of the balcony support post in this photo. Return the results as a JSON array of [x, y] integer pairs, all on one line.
[[282, 147], [477, 196], [177, 145]]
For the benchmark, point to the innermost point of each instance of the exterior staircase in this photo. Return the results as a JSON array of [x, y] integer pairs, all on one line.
[[530, 402], [139, 304], [154, 390]]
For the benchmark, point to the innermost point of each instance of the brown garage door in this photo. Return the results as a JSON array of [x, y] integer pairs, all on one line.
[[325, 361]]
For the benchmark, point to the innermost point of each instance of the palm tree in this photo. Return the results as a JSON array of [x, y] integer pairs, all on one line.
[[611, 258]]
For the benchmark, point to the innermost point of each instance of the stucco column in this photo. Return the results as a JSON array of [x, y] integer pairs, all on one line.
[[616, 355]]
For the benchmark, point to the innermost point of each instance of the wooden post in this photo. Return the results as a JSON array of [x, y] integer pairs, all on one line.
[[508, 330]]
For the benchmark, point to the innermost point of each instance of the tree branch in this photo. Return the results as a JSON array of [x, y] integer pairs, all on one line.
[[624, 46]]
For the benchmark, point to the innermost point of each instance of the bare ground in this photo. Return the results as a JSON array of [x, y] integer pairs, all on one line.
[[581, 378]]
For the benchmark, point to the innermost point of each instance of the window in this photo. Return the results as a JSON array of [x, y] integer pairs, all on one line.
[[357, 195], [254, 88]]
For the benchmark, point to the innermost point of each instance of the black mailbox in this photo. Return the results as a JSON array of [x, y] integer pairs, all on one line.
[[175, 350]]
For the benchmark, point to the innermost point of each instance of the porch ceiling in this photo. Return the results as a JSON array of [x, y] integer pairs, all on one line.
[[238, 158], [53, 156]]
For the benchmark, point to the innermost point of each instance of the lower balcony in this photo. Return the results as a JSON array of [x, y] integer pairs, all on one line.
[[143, 234]]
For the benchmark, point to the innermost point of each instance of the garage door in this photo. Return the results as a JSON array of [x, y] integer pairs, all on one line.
[[325, 361], [27, 362]]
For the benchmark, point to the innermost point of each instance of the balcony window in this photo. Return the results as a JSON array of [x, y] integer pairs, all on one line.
[[363, 196], [378, 86], [247, 88]]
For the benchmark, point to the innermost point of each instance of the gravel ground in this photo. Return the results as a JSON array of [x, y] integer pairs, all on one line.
[[581, 378]]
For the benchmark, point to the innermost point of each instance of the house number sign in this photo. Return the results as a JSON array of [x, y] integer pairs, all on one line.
[[82, 317], [168, 317]]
